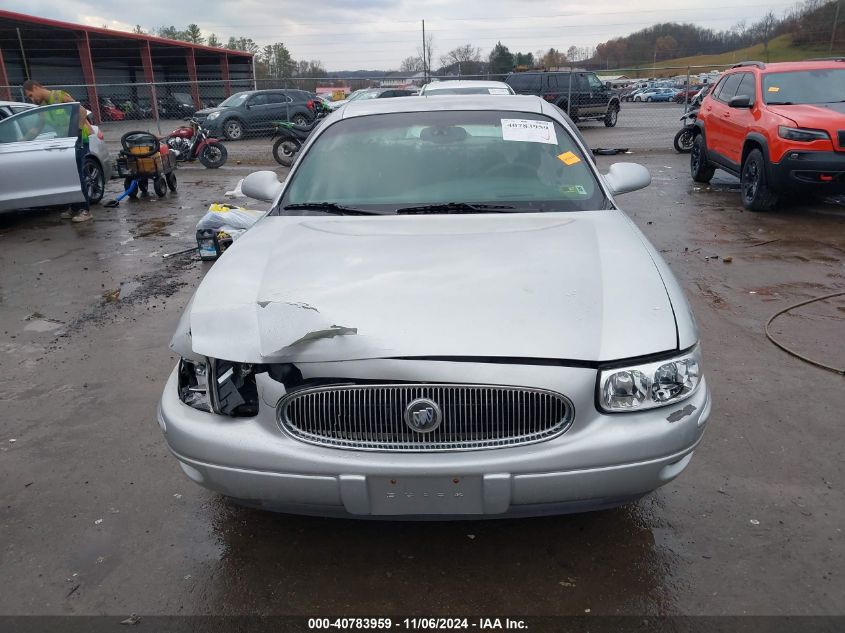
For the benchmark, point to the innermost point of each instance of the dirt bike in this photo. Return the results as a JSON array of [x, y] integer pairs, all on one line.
[[291, 139], [686, 135], [191, 142]]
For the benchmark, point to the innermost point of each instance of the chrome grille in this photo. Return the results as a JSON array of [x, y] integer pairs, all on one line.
[[372, 417]]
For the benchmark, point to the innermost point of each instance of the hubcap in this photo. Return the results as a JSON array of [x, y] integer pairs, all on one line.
[[233, 129], [212, 153], [91, 174]]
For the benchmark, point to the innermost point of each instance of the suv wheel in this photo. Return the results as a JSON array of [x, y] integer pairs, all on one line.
[[756, 195], [233, 130], [700, 168], [612, 115], [300, 119]]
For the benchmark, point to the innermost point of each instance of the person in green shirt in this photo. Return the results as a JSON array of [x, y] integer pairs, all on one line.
[[39, 95]]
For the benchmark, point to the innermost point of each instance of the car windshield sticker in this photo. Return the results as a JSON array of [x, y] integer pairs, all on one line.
[[774, 89], [498, 91], [528, 130], [573, 190], [569, 158]]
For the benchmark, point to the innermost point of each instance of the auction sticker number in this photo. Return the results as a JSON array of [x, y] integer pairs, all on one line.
[[528, 130]]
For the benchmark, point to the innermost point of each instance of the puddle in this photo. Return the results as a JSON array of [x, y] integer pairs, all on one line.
[[37, 322], [153, 227]]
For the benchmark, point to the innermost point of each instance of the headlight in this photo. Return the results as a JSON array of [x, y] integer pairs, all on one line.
[[213, 116], [193, 384], [234, 391], [802, 134], [650, 385]]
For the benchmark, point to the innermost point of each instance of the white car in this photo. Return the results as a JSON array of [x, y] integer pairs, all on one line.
[[444, 314], [42, 171], [466, 87]]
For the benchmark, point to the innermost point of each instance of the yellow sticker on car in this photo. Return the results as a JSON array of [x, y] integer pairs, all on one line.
[[568, 158], [774, 89]]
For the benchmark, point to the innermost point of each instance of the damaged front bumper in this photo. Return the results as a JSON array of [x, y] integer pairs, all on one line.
[[600, 461]]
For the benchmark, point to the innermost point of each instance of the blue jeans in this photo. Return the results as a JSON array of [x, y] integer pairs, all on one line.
[[81, 153]]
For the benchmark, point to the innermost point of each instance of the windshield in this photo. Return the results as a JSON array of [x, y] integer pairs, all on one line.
[[390, 162], [234, 101], [826, 85], [364, 94], [469, 90]]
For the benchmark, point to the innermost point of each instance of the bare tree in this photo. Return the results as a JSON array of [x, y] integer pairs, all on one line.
[[411, 65], [461, 55]]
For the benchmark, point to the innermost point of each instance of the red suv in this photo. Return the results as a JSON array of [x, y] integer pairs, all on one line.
[[780, 128]]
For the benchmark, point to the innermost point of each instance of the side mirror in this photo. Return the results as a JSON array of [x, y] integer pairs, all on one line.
[[261, 185], [624, 177], [740, 101]]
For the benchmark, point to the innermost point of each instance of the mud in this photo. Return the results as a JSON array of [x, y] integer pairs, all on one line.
[[96, 517]]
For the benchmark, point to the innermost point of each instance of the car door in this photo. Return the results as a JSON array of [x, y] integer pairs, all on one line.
[[41, 170], [598, 96], [737, 121], [256, 111], [717, 113]]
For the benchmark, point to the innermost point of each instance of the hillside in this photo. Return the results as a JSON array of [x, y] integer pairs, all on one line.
[[781, 49]]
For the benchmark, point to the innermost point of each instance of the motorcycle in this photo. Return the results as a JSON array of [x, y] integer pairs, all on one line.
[[191, 142], [686, 135], [291, 139]]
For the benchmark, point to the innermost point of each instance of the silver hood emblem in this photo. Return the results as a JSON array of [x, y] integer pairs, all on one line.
[[423, 415]]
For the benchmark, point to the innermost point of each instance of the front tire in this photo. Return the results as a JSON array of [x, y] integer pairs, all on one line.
[[612, 116], [285, 151], [233, 130], [160, 186], [171, 181], [94, 179], [700, 168], [214, 155], [754, 188], [683, 141]]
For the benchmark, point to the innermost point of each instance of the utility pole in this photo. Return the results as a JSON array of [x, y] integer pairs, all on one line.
[[835, 22], [424, 56]]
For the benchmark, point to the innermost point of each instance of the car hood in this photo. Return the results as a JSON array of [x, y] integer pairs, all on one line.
[[827, 116], [575, 286], [206, 111]]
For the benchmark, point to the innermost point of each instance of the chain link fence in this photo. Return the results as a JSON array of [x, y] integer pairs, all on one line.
[[651, 102]]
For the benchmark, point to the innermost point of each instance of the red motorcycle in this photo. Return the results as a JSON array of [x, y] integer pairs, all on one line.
[[191, 142]]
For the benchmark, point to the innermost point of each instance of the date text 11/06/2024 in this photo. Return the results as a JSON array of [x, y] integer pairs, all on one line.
[[430, 624]]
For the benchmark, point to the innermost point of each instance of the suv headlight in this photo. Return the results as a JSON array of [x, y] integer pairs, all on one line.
[[650, 385], [802, 134], [193, 384], [213, 116]]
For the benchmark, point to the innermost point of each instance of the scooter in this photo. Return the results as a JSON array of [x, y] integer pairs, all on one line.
[[191, 142]]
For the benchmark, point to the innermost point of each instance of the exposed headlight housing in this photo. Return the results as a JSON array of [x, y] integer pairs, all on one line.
[[213, 116], [650, 385], [802, 134], [193, 384], [233, 388]]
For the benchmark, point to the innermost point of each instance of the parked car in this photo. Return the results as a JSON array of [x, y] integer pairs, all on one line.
[[655, 94], [9, 108], [582, 95], [462, 335], [254, 111], [466, 87], [374, 93], [686, 95], [628, 95], [55, 181], [176, 105], [779, 127]]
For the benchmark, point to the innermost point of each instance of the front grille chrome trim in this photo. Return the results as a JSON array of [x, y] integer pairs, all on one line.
[[370, 417]]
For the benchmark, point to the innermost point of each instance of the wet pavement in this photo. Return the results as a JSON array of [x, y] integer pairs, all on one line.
[[97, 518]]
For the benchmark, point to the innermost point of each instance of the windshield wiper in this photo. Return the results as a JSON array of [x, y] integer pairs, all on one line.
[[454, 207], [328, 207]]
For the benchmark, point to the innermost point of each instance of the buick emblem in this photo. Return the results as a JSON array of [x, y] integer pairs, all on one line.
[[423, 415]]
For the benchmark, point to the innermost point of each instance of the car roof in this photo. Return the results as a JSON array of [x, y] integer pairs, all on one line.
[[792, 66], [17, 104], [511, 103], [466, 83]]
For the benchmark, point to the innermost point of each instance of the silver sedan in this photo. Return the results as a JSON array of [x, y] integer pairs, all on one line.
[[42, 171], [444, 314]]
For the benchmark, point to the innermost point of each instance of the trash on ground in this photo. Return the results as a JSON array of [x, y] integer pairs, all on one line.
[[223, 224], [131, 620], [727, 259], [754, 522], [98, 521], [236, 192]]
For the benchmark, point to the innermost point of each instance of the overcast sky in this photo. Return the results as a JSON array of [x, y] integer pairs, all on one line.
[[378, 34]]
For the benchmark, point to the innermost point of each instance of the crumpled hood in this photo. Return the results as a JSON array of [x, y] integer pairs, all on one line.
[[576, 286]]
